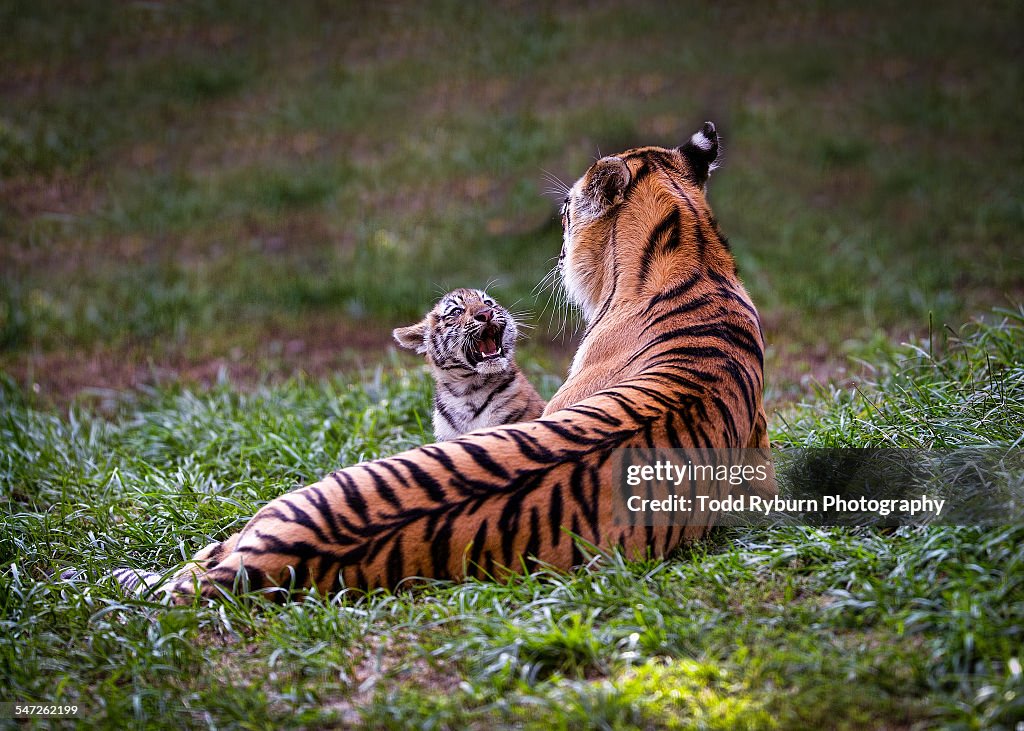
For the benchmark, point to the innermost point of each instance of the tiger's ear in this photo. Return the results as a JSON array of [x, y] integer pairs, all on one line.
[[606, 183], [413, 337], [702, 152]]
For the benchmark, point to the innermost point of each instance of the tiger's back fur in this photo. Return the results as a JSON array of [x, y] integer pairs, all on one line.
[[672, 357]]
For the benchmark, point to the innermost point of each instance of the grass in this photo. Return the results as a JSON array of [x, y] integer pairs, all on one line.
[[247, 195], [245, 168], [756, 628]]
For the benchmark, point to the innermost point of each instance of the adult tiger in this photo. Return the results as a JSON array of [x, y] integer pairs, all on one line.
[[672, 357]]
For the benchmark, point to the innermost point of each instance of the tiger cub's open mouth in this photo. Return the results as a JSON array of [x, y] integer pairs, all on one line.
[[488, 344]]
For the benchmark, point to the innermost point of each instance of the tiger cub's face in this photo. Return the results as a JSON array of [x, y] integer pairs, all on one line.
[[466, 333]]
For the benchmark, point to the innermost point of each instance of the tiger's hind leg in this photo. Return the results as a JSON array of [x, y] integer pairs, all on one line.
[[282, 547], [208, 556], [234, 574], [206, 560]]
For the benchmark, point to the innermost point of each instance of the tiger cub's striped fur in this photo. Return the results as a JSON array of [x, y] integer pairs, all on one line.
[[672, 357], [469, 341]]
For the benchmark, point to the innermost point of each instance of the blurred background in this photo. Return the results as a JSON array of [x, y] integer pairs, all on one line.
[[265, 188]]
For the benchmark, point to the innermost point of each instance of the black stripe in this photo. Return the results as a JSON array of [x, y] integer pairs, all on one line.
[[532, 547], [483, 458], [353, 497], [723, 331], [671, 433], [531, 448], [702, 242], [439, 407], [728, 420], [508, 526], [500, 389], [441, 546], [384, 490], [676, 291], [326, 510], [298, 516], [664, 235], [595, 413], [395, 562], [216, 553], [301, 550], [687, 307], [587, 503], [477, 546], [386, 464], [641, 172], [438, 455], [430, 486]]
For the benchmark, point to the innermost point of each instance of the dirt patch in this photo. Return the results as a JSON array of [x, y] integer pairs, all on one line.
[[60, 196], [790, 378], [388, 660], [319, 347]]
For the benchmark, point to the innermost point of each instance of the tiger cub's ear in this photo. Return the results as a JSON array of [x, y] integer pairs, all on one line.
[[702, 152], [606, 183], [413, 337]]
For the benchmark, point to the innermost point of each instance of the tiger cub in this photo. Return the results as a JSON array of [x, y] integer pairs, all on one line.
[[469, 341]]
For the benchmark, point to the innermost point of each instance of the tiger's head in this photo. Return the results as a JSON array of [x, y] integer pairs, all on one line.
[[608, 228], [466, 333]]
